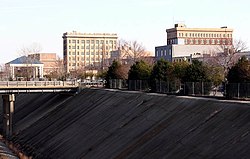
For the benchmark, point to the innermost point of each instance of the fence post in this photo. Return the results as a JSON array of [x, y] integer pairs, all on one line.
[[202, 88], [160, 86], [168, 87], [140, 84], [193, 88], [238, 90]]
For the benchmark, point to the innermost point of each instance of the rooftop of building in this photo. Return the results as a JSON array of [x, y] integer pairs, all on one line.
[[183, 27], [24, 60], [79, 34]]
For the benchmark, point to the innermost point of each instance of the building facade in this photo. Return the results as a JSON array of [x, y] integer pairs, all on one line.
[[87, 51], [50, 61], [183, 42]]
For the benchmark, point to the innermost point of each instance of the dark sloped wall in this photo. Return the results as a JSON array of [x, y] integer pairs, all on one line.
[[114, 124]]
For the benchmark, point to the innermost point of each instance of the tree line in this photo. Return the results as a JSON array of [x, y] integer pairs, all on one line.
[[182, 72]]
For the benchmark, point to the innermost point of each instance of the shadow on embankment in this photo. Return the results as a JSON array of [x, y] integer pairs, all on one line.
[[115, 124]]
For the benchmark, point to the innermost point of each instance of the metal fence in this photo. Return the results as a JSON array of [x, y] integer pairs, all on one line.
[[238, 90], [138, 85], [231, 90], [117, 84]]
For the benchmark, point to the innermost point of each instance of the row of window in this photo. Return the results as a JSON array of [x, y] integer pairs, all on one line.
[[91, 47], [87, 53], [208, 41], [161, 53], [85, 59], [93, 41], [205, 35], [201, 41]]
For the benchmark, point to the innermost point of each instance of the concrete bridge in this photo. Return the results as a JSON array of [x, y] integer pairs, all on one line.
[[8, 89]]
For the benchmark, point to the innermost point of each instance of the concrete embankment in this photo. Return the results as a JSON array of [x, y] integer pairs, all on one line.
[[115, 124]]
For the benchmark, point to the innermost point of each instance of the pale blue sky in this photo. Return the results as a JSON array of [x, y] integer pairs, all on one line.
[[44, 21]]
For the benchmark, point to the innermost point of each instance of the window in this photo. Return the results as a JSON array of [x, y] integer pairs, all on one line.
[[202, 41], [69, 41], [97, 47], [96, 53], [87, 53], [69, 47], [78, 53], [107, 42], [82, 53], [82, 47], [77, 41], [77, 47], [73, 41], [97, 41], [73, 47], [207, 41], [102, 41], [213, 42], [87, 41], [92, 53], [69, 58], [92, 46], [92, 41], [69, 53], [87, 47], [83, 41], [218, 41]]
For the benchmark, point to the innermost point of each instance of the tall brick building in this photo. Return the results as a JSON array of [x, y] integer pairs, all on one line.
[[87, 51]]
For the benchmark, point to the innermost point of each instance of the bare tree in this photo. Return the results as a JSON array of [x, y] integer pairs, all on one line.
[[227, 55], [27, 51], [58, 71], [3, 72], [34, 48], [131, 50]]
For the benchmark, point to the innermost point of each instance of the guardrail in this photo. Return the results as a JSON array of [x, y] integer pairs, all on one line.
[[33, 84]]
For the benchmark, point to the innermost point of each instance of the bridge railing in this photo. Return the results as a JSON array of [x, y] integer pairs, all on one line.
[[37, 83]]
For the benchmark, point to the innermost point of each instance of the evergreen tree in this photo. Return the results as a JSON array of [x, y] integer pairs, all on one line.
[[196, 72], [240, 72], [139, 71]]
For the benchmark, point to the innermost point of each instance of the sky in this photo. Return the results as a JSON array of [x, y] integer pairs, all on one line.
[[43, 22]]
